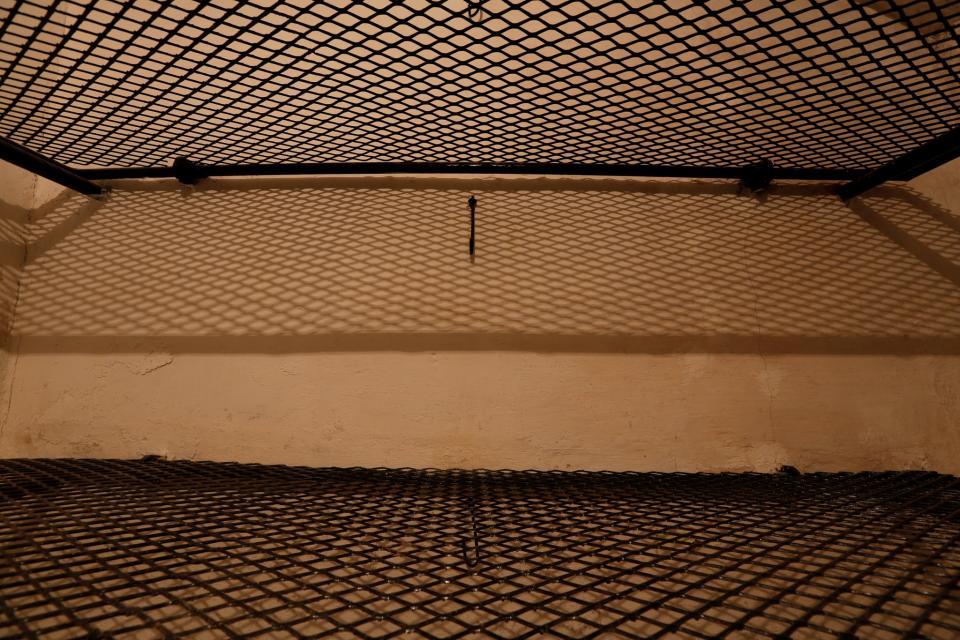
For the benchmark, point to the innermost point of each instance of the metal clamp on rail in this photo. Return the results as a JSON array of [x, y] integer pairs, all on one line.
[[756, 177], [188, 172]]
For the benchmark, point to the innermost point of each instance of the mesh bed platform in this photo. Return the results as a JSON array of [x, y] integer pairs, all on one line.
[[98, 549], [820, 90]]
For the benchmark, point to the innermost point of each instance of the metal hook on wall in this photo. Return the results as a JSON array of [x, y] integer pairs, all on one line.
[[472, 202]]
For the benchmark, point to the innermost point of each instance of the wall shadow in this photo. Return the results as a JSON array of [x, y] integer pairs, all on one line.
[[562, 265]]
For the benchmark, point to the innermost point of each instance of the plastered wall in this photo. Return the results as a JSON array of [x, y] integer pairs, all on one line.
[[603, 324]]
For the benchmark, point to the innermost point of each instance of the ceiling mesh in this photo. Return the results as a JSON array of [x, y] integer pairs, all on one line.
[[805, 84]]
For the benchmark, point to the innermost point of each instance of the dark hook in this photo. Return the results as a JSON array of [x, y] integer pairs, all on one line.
[[472, 202]]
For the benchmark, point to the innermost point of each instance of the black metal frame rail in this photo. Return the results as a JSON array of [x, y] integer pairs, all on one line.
[[935, 153], [49, 169], [190, 172], [860, 92], [908, 166]]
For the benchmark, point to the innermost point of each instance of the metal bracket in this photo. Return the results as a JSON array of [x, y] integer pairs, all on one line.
[[187, 171], [757, 177], [104, 194]]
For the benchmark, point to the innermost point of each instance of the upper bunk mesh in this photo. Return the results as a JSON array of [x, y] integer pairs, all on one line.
[[820, 85]]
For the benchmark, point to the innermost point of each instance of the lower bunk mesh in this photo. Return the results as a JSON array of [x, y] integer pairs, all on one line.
[[101, 549]]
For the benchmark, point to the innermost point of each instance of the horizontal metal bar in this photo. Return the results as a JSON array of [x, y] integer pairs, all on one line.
[[931, 155], [51, 170], [582, 169]]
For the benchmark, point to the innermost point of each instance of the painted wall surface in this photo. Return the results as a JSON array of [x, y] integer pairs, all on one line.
[[18, 192], [603, 324]]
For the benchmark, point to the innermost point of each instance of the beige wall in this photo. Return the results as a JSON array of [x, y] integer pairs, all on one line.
[[18, 192], [608, 324]]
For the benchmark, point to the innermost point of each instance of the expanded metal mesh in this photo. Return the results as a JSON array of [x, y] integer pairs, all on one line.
[[845, 84], [213, 550]]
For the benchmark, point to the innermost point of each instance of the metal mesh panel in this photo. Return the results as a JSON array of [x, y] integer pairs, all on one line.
[[161, 549], [841, 84]]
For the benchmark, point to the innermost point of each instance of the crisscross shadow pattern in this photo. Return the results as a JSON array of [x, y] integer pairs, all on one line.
[[161, 549]]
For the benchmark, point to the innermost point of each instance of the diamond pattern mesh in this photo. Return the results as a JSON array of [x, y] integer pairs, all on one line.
[[832, 85], [212, 550]]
